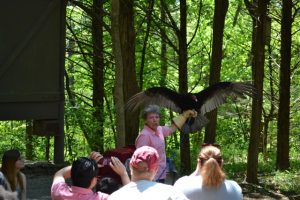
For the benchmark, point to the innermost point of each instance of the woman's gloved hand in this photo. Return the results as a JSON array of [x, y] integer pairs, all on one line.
[[180, 119]]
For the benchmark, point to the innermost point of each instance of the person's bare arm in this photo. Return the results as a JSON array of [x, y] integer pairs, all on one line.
[[62, 174], [120, 169], [173, 127]]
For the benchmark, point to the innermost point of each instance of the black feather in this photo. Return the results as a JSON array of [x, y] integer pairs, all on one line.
[[203, 102]]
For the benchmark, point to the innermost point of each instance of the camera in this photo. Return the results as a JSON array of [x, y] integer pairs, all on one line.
[[104, 161]]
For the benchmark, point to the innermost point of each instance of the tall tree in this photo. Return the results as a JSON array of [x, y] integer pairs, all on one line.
[[130, 82], [182, 50], [163, 49], [97, 74], [220, 11], [163, 58], [149, 11], [118, 89], [258, 12], [269, 116], [183, 85], [283, 123], [93, 135], [123, 37], [29, 145], [69, 82]]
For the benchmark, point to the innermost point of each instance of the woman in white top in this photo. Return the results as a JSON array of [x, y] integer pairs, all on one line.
[[11, 178], [208, 181], [143, 167]]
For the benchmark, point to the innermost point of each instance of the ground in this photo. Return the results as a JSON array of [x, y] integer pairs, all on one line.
[[38, 187], [39, 178]]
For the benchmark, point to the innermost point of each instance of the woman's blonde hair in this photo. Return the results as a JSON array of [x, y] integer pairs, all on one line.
[[211, 161]]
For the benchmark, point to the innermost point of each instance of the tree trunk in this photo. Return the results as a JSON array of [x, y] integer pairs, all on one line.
[[47, 148], [268, 117], [29, 146], [98, 70], [220, 11], [148, 19], [185, 165], [118, 89], [126, 85], [282, 161], [70, 85], [130, 82], [163, 60], [237, 13], [163, 50], [258, 51]]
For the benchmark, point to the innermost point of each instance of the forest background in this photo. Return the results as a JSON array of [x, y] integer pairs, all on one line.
[[117, 48]]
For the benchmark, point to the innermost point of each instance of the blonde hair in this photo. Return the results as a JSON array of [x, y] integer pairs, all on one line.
[[211, 161]]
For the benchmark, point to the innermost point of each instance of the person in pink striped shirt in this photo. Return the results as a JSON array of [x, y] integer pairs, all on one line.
[[83, 174], [153, 134]]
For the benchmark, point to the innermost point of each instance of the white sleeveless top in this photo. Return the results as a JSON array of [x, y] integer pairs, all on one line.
[[191, 186]]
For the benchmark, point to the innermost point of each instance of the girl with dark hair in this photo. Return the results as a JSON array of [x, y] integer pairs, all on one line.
[[208, 181], [11, 178]]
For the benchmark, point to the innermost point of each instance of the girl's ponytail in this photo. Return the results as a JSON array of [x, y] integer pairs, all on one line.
[[210, 160]]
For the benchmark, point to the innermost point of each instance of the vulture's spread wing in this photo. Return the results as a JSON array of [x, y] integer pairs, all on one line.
[[160, 96], [215, 95]]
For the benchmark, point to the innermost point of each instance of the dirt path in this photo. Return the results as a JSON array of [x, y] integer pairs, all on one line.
[[38, 187], [39, 179], [256, 192]]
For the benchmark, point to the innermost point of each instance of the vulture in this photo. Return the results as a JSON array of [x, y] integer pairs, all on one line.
[[202, 102]]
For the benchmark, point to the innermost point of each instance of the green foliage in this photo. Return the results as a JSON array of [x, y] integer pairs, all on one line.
[[12, 134], [287, 181], [233, 127]]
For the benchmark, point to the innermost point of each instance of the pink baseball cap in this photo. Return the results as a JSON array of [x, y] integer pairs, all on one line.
[[144, 159]]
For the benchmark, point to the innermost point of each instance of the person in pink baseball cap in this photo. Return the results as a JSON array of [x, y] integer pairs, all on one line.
[[143, 166], [144, 159]]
